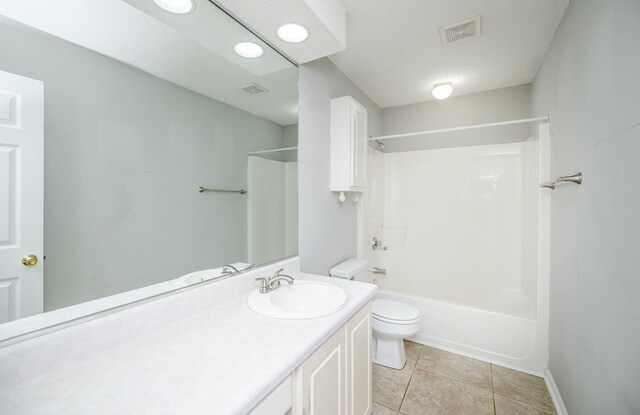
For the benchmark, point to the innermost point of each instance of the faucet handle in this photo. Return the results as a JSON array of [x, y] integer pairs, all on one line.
[[278, 272]]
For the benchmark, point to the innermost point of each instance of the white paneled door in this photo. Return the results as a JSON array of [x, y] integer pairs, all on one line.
[[21, 196]]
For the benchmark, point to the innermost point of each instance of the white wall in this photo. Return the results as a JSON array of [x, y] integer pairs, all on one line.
[[327, 229], [479, 108], [589, 85], [272, 196], [124, 155], [532, 158]]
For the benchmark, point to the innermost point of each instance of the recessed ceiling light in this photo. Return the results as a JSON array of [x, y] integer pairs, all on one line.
[[442, 90], [293, 32], [176, 6], [248, 50]]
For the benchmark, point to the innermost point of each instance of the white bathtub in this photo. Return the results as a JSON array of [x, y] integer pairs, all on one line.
[[504, 339]]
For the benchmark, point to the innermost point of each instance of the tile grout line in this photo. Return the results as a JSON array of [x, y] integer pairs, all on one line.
[[413, 371], [514, 398], [493, 391], [385, 406], [404, 395]]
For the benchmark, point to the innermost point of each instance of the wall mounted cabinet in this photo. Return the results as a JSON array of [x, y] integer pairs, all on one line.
[[348, 145]]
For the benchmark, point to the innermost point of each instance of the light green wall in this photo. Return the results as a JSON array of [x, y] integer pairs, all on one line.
[[589, 85], [124, 154], [327, 229], [502, 104]]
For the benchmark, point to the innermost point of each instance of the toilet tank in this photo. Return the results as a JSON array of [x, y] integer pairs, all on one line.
[[351, 269]]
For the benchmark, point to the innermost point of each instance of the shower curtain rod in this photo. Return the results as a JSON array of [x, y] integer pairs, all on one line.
[[466, 127], [273, 151]]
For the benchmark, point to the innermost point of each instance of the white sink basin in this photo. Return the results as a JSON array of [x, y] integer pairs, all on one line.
[[300, 300]]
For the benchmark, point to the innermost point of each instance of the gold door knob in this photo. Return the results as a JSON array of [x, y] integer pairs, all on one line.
[[29, 260]]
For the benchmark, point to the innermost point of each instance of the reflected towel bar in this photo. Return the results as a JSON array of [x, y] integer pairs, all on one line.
[[205, 189], [576, 178], [275, 150]]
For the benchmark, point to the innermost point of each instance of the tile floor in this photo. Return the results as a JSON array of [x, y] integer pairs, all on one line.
[[435, 382]]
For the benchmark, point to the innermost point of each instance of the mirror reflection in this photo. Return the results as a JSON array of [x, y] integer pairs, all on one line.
[[139, 150]]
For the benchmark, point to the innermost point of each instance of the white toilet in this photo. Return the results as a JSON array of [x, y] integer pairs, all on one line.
[[351, 269], [392, 321]]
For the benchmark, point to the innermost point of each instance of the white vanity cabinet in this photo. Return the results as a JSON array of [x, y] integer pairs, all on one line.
[[321, 379], [359, 365], [336, 378], [348, 146]]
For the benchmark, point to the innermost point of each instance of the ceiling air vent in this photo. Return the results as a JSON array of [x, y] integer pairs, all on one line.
[[254, 89], [460, 31]]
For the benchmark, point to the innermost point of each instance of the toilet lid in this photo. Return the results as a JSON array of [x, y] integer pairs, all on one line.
[[394, 310]]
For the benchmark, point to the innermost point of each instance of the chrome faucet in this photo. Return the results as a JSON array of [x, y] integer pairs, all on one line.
[[229, 270], [273, 283]]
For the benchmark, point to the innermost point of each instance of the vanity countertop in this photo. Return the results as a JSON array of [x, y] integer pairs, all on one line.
[[223, 360]]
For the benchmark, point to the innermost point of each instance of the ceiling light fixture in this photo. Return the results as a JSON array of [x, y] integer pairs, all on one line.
[[176, 6], [442, 90], [293, 32], [248, 50]]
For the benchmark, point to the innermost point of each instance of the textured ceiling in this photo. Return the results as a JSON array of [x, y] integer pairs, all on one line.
[[394, 52], [194, 50]]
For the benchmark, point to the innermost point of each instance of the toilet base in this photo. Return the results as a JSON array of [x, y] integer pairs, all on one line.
[[390, 353]]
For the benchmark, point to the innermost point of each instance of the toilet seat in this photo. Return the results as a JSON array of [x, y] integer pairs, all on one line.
[[392, 321], [394, 312]]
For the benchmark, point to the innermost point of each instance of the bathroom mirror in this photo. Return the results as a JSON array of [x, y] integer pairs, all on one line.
[[167, 143]]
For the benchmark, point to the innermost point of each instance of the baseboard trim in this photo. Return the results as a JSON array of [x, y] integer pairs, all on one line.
[[555, 393]]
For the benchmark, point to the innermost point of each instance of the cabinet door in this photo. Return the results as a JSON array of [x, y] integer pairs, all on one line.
[[321, 379], [359, 395], [359, 149]]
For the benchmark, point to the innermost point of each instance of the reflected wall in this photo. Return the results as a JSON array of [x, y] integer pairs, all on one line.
[[125, 153]]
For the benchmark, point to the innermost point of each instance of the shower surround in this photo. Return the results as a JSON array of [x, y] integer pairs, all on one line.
[[464, 236]]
